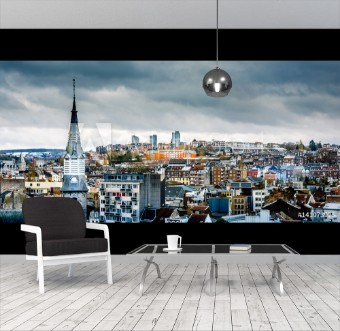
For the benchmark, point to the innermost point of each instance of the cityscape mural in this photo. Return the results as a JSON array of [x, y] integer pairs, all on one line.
[[140, 141]]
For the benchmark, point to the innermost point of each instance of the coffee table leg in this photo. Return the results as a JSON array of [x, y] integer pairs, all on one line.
[[276, 269], [213, 270], [148, 263], [216, 269]]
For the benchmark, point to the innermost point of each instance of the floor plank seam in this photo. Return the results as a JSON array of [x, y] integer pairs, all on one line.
[[155, 322], [269, 273], [202, 289], [258, 293], [72, 282], [243, 297], [302, 295]]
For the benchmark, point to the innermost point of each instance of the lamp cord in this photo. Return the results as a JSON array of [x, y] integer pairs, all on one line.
[[216, 33]]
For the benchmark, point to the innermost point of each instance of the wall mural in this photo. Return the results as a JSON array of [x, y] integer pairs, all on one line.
[[140, 141]]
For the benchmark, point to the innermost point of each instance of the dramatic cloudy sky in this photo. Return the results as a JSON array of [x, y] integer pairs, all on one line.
[[271, 101]]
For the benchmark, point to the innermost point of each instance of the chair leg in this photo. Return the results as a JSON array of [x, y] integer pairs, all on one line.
[[37, 273], [70, 270], [41, 276], [109, 269]]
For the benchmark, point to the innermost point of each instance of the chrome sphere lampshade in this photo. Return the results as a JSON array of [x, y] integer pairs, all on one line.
[[217, 83]]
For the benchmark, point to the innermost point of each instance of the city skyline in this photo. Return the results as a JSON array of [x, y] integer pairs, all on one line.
[[271, 101]]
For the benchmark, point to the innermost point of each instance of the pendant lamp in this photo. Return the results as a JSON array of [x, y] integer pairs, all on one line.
[[217, 82]]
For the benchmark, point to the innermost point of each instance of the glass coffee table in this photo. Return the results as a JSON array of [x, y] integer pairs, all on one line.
[[215, 252]]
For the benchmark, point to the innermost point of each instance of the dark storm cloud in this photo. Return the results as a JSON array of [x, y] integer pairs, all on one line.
[[162, 96], [90, 74], [312, 73]]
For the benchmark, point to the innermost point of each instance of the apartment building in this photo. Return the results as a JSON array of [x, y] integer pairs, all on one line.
[[180, 174], [218, 174], [37, 188], [236, 173], [258, 197], [123, 197], [239, 204], [170, 154], [199, 175]]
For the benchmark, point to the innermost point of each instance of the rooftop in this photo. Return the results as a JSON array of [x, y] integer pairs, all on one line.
[[332, 205]]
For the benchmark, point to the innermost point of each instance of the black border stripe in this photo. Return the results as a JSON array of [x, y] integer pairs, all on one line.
[[169, 44]]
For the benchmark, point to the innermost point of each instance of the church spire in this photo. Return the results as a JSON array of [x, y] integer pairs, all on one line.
[[74, 118], [74, 180], [74, 145]]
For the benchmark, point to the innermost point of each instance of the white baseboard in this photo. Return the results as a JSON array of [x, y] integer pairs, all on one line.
[[186, 258]]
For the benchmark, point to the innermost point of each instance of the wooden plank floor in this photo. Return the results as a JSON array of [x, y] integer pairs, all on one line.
[[244, 298]]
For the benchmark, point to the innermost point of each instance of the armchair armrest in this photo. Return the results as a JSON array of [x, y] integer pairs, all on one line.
[[31, 228], [102, 227], [37, 230]]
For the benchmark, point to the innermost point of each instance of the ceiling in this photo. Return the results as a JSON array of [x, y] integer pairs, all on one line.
[[170, 14]]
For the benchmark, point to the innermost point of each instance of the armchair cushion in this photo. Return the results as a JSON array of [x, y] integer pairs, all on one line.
[[68, 246], [59, 218]]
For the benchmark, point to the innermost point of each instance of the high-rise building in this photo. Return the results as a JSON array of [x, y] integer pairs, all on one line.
[[176, 139], [124, 197], [101, 150], [134, 140], [153, 141], [74, 183]]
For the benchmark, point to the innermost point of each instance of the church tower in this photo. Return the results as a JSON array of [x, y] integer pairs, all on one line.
[[74, 185], [22, 163]]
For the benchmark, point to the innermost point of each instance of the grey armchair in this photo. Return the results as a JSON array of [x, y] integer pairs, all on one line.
[[56, 234]]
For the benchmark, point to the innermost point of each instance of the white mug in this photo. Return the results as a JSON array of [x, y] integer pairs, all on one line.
[[173, 241]]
